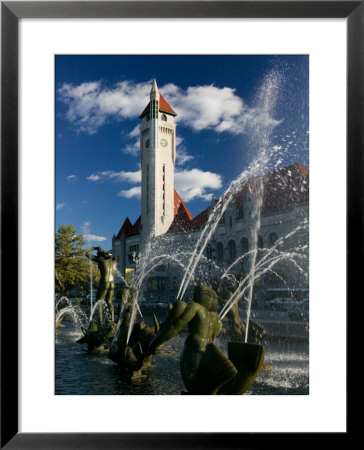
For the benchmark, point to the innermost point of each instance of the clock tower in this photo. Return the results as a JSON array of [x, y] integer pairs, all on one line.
[[157, 157]]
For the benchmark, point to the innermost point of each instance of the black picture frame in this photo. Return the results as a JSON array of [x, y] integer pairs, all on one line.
[[11, 12]]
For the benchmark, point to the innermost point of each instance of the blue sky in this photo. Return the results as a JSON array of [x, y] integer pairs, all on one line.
[[99, 99]]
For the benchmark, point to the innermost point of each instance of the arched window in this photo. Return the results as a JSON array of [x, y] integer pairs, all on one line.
[[174, 283], [260, 242], [260, 247], [244, 262], [220, 251], [209, 251], [272, 238], [244, 245], [230, 222], [164, 117], [232, 250]]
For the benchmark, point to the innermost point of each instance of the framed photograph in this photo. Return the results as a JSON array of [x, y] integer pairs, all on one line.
[[172, 145]]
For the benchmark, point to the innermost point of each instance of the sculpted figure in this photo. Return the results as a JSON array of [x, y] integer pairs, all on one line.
[[97, 337], [105, 290], [204, 367], [134, 355], [237, 328]]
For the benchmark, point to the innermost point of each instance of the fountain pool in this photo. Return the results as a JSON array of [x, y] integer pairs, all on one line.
[[80, 373]]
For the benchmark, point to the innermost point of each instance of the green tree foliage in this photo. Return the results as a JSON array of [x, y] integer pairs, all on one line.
[[72, 267]]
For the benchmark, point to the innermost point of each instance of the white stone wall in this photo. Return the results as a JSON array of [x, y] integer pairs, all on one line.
[[121, 250], [281, 223], [158, 153]]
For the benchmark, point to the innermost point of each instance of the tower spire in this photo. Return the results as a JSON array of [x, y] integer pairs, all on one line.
[[154, 87], [154, 93], [157, 155]]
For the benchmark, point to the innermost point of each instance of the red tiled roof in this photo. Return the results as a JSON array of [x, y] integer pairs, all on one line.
[[283, 188], [177, 202], [181, 221], [200, 220], [182, 217], [163, 106], [128, 229], [126, 226], [136, 227], [303, 170]]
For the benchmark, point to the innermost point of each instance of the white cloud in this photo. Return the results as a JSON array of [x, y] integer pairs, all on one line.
[[90, 105], [181, 152], [131, 193], [130, 177], [71, 178], [190, 184], [93, 177], [94, 238], [195, 183], [132, 149], [202, 107], [182, 157], [135, 132], [60, 206]]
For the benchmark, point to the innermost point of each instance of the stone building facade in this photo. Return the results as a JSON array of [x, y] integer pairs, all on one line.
[[166, 220]]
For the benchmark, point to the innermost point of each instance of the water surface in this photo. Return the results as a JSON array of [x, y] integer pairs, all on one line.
[[79, 373]]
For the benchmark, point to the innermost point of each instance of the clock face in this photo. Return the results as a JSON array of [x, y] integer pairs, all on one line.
[[147, 143], [164, 143]]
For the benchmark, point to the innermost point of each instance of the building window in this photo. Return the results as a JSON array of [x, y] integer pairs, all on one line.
[[232, 250], [164, 117], [260, 247], [260, 242], [154, 109], [244, 245], [132, 248], [272, 239], [230, 222], [209, 252], [220, 251]]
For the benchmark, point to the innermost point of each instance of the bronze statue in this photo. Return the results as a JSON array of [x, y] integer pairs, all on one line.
[[98, 337], [131, 356], [204, 367], [237, 328], [105, 290]]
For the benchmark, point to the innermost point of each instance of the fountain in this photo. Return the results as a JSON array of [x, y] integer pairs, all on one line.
[[98, 335], [219, 293], [65, 310], [85, 231], [106, 287], [262, 261], [205, 369], [125, 342], [130, 350]]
